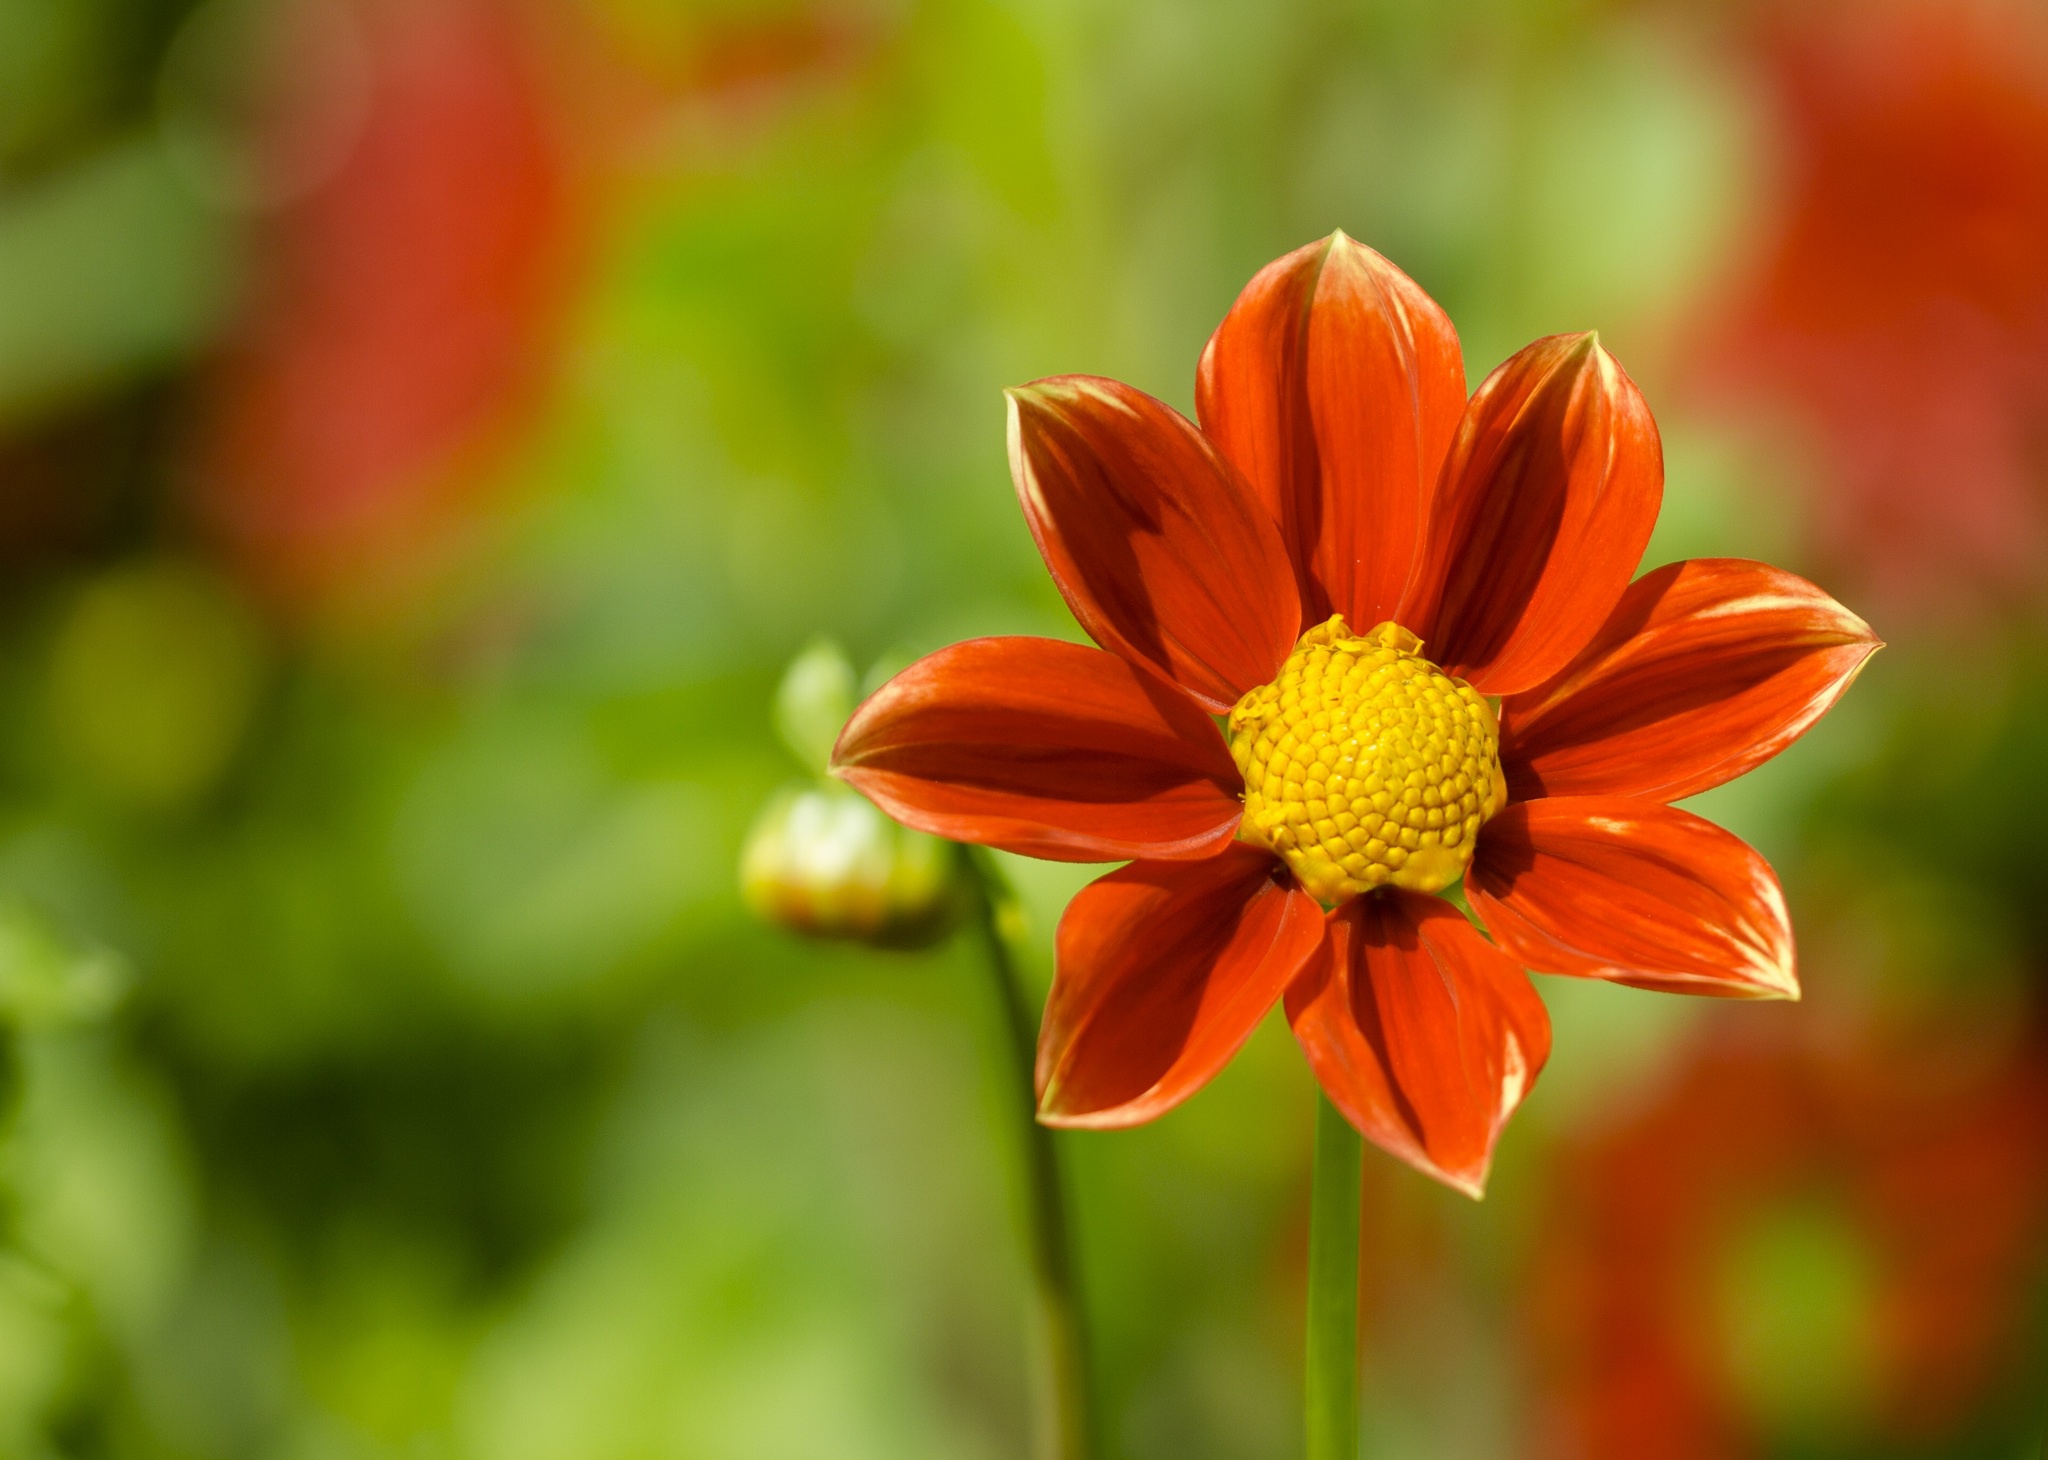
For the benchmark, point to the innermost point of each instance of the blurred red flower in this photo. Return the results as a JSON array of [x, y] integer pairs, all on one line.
[[1900, 301], [400, 308], [1934, 1160], [1341, 477]]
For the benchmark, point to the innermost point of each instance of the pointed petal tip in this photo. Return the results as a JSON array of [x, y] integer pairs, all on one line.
[[1571, 345], [1132, 1113], [1016, 397], [1048, 389], [1781, 987], [1337, 240], [1775, 985], [1118, 1119], [1048, 1112], [1590, 348], [1857, 629], [839, 760], [1050, 1109], [1468, 1181]]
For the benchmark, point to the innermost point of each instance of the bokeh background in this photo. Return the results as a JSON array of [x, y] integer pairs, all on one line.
[[427, 427]]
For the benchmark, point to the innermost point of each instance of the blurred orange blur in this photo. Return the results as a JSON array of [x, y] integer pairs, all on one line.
[[1899, 302]]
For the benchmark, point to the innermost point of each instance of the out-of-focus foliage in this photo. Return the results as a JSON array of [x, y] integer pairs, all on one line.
[[427, 427]]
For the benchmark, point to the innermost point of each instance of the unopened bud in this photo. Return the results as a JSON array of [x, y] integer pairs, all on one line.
[[823, 861], [813, 701]]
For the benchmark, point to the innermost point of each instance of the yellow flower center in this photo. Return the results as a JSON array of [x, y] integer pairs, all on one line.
[[1365, 765]]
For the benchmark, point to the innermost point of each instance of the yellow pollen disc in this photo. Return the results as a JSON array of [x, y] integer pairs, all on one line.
[[1365, 765]]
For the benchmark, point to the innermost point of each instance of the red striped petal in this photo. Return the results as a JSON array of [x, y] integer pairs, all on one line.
[[1424, 1034], [1335, 385], [1165, 969], [1051, 749], [1704, 670], [1152, 536], [1546, 502], [1625, 889]]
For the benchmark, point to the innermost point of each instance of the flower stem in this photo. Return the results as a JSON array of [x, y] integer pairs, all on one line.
[[1067, 1428], [1333, 1288]]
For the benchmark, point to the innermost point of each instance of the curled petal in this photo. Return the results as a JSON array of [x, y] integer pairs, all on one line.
[[1165, 969], [1051, 749], [1152, 536], [1619, 888], [1335, 384], [1424, 1034], [1545, 505], [1704, 670]]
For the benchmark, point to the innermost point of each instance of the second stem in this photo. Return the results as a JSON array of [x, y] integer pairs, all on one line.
[[1333, 1287], [1069, 1431]]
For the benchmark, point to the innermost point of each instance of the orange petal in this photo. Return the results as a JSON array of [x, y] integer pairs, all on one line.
[[1424, 1034], [1051, 749], [1335, 385], [1165, 969], [1152, 536], [1625, 889], [1704, 670], [1546, 502]]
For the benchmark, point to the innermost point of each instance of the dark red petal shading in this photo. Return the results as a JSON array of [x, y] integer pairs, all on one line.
[[1165, 969], [1335, 385], [1051, 749], [1620, 888], [1545, 505], [1704, 670], [1424, 1034], [1152, 537]]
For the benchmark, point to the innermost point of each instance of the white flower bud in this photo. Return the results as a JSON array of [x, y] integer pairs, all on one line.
[[823, 861]]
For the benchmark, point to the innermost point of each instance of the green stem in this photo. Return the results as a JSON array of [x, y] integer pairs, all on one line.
[[1067, 1431], [1333, 1288]]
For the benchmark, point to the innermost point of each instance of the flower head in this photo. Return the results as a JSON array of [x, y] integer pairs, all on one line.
[[1480, 692]]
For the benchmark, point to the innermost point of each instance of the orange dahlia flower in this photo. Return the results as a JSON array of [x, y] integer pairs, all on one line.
[[1480, 693]]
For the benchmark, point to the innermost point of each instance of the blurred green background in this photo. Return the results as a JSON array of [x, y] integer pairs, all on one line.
[[428, 427]]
